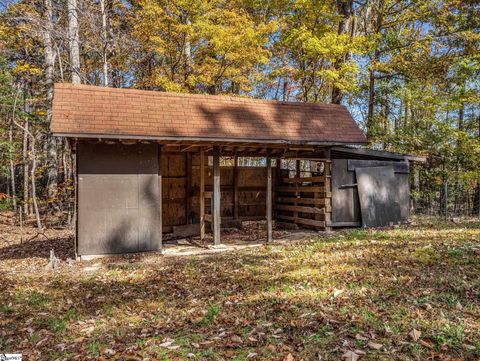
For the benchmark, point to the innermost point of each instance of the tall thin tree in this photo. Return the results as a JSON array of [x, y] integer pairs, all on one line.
[[74, 42], [49, 56], [105, 38]]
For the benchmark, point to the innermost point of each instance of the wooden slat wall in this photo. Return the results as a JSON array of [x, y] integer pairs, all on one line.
[[174, 190], [251, 190], [181, 190], [305, 201]]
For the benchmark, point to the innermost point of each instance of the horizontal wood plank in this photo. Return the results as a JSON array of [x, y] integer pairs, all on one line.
[[302, 209], [319, 179], [301, 189], [346, 224], [298, 220], [315, 201]]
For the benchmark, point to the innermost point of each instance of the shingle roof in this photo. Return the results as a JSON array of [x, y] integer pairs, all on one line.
[[88, 111]]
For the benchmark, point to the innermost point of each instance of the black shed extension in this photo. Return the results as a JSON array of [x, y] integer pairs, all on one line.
[[370, 188]]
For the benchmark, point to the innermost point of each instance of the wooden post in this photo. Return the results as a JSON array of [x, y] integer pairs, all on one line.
[[202, 194], [328, 189], [297, 175], [277, 182], [160, 197], [216, 195], [269, 199], [188, 182], [235, 187]]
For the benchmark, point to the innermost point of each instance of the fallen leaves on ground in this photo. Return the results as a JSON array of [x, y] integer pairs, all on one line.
[[407, 293]]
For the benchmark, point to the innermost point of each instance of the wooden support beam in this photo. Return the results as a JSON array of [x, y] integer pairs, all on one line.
[[189, 147], [202, 194], [160, 196], [188, 187], [328, 189], [269, 199], [277, 183], [235, 186], [216, 195], [297, 175]]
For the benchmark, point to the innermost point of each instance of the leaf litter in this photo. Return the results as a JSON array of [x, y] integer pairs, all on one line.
[[403, 293]]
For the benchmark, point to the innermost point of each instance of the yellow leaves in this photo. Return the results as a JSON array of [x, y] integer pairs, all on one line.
[[26, 69], [201, 44], [343, 77]]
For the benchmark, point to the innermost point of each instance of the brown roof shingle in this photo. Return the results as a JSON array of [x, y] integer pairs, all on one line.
[[88, 111]]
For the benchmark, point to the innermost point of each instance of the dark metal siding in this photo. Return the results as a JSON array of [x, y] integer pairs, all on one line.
[[345, 200], [118, 202]]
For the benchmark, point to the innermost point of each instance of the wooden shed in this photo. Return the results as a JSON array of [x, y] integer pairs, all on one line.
[[154, 165]]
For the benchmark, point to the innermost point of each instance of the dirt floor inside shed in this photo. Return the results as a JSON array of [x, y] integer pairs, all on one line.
[[408, 293]]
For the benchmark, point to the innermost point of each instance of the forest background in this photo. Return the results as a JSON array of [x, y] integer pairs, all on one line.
[[407, 70]]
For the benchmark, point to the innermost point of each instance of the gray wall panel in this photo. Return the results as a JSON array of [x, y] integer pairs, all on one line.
[[378, 193], [118, 202], [345, 203]]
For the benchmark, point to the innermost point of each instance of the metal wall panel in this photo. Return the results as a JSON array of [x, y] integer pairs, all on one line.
[[398, 167], [345, 199], [378, 194], [118, 198], [345, 204]]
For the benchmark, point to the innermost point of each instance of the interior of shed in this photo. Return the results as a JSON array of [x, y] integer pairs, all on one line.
[[290, 188]]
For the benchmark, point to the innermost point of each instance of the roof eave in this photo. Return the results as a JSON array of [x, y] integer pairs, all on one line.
[[382, 154], [206, 139]]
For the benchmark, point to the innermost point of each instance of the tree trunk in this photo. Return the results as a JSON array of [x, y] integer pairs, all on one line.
[[74, 41], [105, 39], [377, 24], [12, 169], [461, 114], [477, 193], [25, 168], [345, 10], [52, 185], [32, 179], [60, 65], [371, 105], [188, 53]]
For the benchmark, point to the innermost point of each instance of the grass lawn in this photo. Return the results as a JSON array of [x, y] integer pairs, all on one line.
[[411, 293]]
